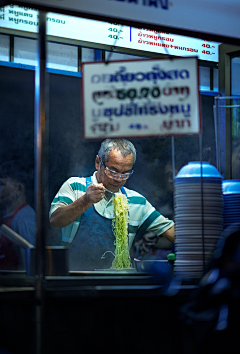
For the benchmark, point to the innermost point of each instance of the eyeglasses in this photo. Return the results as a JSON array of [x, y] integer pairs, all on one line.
[[113, 174]]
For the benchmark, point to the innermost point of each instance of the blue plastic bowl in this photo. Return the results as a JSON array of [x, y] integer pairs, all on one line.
[[231, 186], [193, 169]]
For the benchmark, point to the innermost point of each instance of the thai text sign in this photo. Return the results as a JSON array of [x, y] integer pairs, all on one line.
[[22, 18], [215, 17], [141, 98]]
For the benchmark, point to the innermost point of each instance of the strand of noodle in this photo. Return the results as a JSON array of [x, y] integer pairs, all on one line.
[[120, 230]]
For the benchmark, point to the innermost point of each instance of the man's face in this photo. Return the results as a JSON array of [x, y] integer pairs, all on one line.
[[118, 163], [8, 192]]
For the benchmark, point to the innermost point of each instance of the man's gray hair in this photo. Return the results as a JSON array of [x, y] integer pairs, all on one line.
[[123, 145]]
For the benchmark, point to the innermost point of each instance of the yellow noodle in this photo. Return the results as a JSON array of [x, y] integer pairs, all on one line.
[[120, 230]]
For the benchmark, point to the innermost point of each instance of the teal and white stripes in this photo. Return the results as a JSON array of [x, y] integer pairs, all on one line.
[[77, 186]]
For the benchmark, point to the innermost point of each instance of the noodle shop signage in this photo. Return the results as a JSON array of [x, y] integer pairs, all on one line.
[[214, 17], [141, 98]]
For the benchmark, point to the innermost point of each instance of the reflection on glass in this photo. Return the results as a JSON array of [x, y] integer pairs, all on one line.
[[71, 156], [88, 54], [15, 213], [235, 75], [62, 57], [25, 51], [215, 79], [121, 56], [236, 157], [204, 75], [16, 164], [236, 139], [235, 88], [4, 47]]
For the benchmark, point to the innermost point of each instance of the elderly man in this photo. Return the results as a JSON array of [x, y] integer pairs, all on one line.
[[83, 208]]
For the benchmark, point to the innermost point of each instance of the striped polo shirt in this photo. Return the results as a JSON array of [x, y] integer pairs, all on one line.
[[142, 215]]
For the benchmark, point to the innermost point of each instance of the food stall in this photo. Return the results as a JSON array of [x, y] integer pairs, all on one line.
[[49, 308]]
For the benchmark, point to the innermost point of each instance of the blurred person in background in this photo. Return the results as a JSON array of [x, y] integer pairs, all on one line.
[[209, 155], [15, 213], [148, 246], [236, 158]]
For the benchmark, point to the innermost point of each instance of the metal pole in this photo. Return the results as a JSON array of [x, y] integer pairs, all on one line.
[[173, 157], [173, 177], [40, 83], [230, 138], [215, 115], [202, 206]]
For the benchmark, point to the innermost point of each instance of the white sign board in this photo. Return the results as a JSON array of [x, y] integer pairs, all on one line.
[[25, 19], [214, 17], [141, 98]]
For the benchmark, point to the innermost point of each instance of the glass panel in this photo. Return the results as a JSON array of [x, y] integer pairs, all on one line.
[[88, 54], [235, 89], [121, 56], [236, 139], [71, 156], [62, 57], [235, 76], [4, 47], [228, 158], [204, 76], [16, 165], [215, 79], [25, 51], [75, 158]]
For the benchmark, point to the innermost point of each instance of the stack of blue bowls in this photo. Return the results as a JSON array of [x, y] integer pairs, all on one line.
[[198, 213], [231, 202]]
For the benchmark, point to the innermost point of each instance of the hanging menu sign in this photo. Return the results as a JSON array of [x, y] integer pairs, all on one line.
[[111, 34], [141, 98], [212, 17]]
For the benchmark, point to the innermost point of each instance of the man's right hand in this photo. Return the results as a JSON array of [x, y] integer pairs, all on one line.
[[67, 214], [94, 193]]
